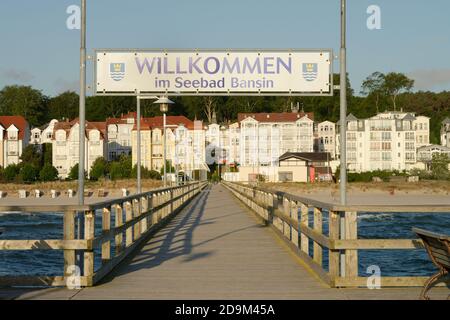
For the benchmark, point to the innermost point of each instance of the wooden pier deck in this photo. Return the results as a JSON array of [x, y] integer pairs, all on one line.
[[215, 248]]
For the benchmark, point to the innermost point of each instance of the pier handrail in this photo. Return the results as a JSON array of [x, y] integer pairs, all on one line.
[[136, 218], [288, 215]]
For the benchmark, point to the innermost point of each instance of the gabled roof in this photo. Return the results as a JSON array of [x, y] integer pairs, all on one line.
[[446, 121], [157, 122], [90, 125], [275, 116], [409, 117], [306, 156], [18, 121]]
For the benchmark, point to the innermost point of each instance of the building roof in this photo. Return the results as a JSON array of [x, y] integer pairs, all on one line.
[[307, 156], [90, 125], [434, 146], [409, 117], [18, 121], [123, 118], [446, 120], [276, 116], [157, 122]]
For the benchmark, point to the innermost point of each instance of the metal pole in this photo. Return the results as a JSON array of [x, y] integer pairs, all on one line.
[[343, 110], [138, 142], [164, 133], [82, 110]]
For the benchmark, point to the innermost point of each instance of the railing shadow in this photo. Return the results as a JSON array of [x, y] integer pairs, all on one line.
[[161, 247]]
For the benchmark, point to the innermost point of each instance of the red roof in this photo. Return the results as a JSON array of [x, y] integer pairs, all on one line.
[[18, 121], [90, 125], [123, 118], [276, 116], [157, 122]]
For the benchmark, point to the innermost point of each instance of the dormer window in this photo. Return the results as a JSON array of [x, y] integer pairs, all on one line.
[[12, 135]]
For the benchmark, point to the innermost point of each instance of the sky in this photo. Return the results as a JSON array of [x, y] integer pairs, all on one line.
[[38, 49]]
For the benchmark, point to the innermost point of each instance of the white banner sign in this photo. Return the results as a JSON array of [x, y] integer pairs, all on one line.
[[182, 72]]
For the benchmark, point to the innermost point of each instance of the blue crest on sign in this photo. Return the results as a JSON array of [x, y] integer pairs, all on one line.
[[117, 71], [309, 71]]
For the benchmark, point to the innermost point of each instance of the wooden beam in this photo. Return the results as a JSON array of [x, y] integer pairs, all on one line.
[[333, 234], [378, 244], [351, 233], [317, 248], [106, 226], [66, 245], [89, 234]]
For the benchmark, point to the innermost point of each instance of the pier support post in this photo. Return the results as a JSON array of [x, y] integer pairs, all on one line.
[[89, 229], [333, 255], [69, 234], [106, 227], [317, 248], [351, 256]]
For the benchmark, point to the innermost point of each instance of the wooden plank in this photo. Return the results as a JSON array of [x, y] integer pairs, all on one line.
[[333, 234], [118, 222], [377, 244], [318, 237], [128, 217], [66, 245], [89, 230], [386, 282], [294, 228], [145, 208], [317, 248], [304, 220], [351, 256], [36, 281], [137, 210], [68, 235], [106, 226]]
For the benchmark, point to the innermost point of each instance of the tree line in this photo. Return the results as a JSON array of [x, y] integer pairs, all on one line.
[[380, 92]]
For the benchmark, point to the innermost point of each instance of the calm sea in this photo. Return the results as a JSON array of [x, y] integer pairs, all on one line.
[[370, 226]]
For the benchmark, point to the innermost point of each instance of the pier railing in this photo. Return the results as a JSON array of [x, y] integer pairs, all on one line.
[[125, 223], [289, 216]]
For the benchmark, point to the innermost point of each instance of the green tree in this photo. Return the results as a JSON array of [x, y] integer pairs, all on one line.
[[48, 173], [115, 171], [73, 173], [373, 86], [28, 173], [146, 173], [24, 101], [439, 166], [169, 168], [98, 169], [47, 153], [64, 105], [394, 84], [10, 172], [32, 155]]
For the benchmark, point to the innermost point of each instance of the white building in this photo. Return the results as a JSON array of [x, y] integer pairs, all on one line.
[[44, 134], [425, 155], [326, 138], [66, 145], [386, 141], [264, 137], [119, 135], [14, 137], [445, 133]]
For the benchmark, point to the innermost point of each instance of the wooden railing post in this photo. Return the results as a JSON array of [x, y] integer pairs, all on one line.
[[145, 208], [89, 230], [106, 226], [351, 256], [136, 213], [317, 248], [129, 230], [118, 223], [285, 227], [294, 229], [69, 234], [333, 255], [304, 219]]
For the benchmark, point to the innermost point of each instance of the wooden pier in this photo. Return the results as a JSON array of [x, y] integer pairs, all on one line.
[[216, 247]]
